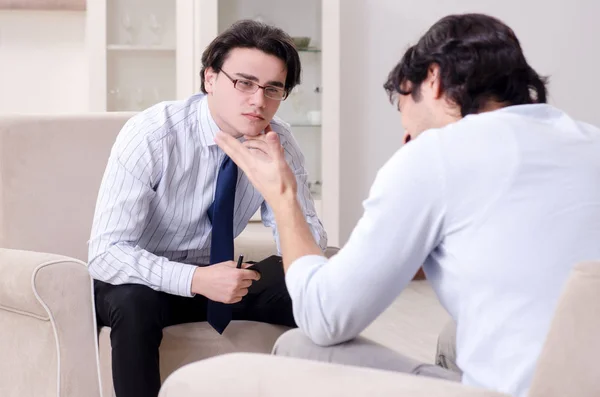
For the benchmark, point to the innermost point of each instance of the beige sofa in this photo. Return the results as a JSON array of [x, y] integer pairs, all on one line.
[[568, 365], [50, 172]]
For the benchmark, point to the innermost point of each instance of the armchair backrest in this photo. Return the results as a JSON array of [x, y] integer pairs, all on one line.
[[50, 172], [568, 364]]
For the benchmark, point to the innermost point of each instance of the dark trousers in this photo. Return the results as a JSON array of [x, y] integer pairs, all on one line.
[[137, 315]]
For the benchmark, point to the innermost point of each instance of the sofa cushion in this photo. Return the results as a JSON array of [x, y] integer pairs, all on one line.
[[186, 343]]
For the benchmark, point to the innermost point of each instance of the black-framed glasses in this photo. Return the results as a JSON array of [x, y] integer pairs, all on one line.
[[250, 87]]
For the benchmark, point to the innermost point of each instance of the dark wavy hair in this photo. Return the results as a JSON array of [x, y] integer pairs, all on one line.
[[252, 34], [480, 59]]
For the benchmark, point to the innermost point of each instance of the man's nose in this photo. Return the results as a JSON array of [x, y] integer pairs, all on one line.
[[258, 98]]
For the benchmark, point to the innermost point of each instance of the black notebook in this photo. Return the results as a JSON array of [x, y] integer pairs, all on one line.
[[271, 273]]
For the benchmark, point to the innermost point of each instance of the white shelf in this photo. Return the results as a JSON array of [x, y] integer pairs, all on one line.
[[305, 125], [133, 47], [140, 56]]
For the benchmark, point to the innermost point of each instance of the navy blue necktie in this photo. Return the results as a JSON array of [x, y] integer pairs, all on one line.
[[220, 214]]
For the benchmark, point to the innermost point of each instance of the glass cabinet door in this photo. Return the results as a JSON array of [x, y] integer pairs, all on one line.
[[140, 53]]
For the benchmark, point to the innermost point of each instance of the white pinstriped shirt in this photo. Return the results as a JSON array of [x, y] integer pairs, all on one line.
[[151, 225]]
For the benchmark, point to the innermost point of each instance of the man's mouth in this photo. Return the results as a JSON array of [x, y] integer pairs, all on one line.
[[253, 116]]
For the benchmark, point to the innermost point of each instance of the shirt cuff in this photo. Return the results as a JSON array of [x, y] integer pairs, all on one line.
[[300, 271], [177, 278]]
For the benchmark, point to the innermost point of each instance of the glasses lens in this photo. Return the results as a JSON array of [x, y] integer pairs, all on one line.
[[275, 93], [246, 86]]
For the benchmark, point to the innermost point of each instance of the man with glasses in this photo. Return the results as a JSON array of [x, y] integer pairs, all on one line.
[[171, 202]]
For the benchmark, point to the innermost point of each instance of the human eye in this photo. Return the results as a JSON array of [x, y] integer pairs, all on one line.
[[245, 84], [274, 91]]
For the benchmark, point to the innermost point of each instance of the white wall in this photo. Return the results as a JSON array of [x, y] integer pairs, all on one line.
[[43, 65], [560, 43]]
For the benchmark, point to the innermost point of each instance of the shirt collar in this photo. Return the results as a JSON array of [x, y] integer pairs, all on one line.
[[206, 124]]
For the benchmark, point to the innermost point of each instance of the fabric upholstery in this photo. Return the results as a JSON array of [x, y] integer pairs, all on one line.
[[50, 172], [243, 374], [568, 364], [60, 286], [46, 317], [186, 343], [17, 268], [28, 366]]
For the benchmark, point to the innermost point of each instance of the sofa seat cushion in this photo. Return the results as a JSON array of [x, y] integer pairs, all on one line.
[[186, 343]]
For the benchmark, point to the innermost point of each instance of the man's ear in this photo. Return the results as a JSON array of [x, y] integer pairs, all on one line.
[[434, 80], [210, 75]]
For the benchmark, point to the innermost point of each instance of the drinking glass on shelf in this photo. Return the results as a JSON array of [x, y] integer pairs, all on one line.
[[314, 117], [156, 27], [139, 101], [128, 26], [296, 101], [115, 98]]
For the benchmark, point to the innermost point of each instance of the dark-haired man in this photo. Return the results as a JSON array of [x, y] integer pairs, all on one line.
[[171, 202], [497, 194]]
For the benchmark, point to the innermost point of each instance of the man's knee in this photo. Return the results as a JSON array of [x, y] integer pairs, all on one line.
[[137, 308], [292, 343], [446, 347]]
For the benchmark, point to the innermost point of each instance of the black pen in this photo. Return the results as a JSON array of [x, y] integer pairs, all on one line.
[[240, 260]]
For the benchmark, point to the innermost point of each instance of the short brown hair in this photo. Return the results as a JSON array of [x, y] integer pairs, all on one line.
[[252, 34]]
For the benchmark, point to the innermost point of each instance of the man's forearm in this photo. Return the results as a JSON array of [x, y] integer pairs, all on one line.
[[121, 263], [295, 237]]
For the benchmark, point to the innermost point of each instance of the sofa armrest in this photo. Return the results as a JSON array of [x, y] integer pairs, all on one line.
[[56, 290], [20, 273], [263, 375]]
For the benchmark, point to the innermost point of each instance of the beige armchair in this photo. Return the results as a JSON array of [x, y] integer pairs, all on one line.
[[50, 172], [568, 365]]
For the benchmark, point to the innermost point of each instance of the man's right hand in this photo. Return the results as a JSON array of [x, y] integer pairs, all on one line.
[[263, 161], [223, 282]]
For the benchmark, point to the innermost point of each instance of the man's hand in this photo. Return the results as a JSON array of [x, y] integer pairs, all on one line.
[[222, 282], [263, 161]]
